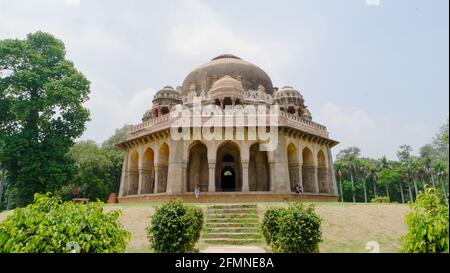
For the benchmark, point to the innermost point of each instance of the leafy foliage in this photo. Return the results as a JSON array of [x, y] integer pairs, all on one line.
[[295, 229], [42, 98], [270, 226], [428, 225], [99, 168], [52, 226], [175, 228]]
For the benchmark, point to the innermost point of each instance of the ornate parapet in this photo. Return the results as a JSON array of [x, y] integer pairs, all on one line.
[[284, 120]]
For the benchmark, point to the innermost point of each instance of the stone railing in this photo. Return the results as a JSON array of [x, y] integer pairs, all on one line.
[[304, 121], [148, 124], [303, 124], [284, 119]]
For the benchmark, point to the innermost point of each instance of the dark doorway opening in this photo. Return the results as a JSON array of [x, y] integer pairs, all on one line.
[[228, 179]]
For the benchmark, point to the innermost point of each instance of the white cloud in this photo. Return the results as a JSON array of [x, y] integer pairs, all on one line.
[[73, 2], [373, 2], [110, 112], [198, 34], [376, 135]]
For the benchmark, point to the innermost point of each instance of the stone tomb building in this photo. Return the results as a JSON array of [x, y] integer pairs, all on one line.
[[158, 167]]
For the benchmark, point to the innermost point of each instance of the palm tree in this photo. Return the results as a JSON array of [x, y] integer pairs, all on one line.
[[372, 175], [339, 173], [349, 165], [408, 167], [427, 164], [362, 170], [440, 171], [403, 178], [384, 165]]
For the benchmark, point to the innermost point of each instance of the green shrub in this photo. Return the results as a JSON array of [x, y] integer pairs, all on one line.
[[175, 228], [380, 199], [52, 226], [270, 225], [428, 225], [295, 229]]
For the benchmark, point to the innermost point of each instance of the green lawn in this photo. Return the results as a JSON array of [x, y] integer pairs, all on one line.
[[346, 227]]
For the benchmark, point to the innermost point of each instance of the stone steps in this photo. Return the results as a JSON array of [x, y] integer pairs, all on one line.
[[233, 229], [232, 224], [233, 215], [233, 235], [229, 241], [232, 211], [233, 206]]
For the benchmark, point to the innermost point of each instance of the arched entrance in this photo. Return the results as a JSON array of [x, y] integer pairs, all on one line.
[[133, 174], [148, 172], [322, 173], [308, 170], [228, 168], [198, 172]]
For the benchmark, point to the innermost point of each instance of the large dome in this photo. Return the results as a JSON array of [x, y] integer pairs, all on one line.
[[250, 75]]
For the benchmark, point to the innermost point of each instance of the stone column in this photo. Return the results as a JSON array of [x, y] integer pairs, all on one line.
[[124, 179], [174, 171], [300, 175], [332, 176], [212, 177], [273, 182], [315, 179], [185, 177], [157, 177], [245, 186], [141, 180]]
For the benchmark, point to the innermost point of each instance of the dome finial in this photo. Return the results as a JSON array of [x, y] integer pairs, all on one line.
[[226, 56]]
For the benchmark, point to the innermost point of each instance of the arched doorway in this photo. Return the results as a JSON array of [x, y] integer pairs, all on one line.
[[163, 167], [258, 169], [322, 173], [198, 172], [133, 174], [293, 166], [308, 170], [228, 168], [148, 172]]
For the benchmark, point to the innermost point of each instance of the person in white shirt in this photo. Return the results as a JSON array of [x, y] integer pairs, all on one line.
[[197, 191]]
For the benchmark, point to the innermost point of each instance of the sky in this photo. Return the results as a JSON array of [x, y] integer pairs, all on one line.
[[375, 72]]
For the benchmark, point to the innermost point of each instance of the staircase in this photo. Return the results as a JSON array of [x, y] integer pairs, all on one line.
[[232, 225]]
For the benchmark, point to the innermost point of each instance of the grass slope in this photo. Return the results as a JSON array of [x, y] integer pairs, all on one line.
[[346, 227]]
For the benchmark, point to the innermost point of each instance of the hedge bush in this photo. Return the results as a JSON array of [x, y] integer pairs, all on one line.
[[295, 229], [428, 225], [270, 225], [380, 199], [50, 225], [175, 228]]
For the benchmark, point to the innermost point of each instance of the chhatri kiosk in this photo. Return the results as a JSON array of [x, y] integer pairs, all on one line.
[[237, 165]]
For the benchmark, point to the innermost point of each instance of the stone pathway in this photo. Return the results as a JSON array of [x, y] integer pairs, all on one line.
[[233, 249]]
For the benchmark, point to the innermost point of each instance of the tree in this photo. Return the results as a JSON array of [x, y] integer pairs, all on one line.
[[349, 158], [99, 168], [428, 226], [339, 168], [42, 113]]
